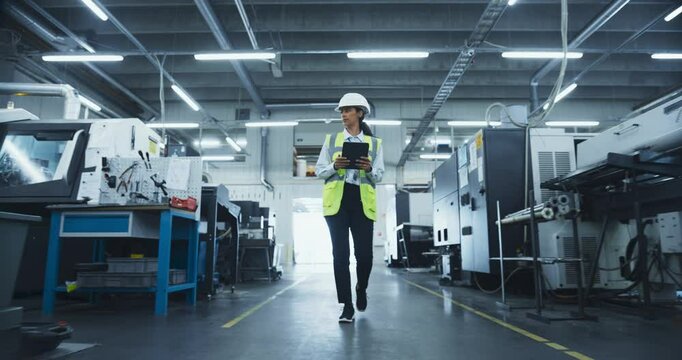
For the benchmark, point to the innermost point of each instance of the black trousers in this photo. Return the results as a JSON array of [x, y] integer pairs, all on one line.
[[351, 216]]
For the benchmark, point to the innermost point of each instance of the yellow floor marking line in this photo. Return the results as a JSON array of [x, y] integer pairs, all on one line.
[[507, 325], [578, 355], [252, 310]]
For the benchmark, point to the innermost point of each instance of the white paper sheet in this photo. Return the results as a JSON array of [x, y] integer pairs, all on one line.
[[463, 177], [177, 177], [90, 187]]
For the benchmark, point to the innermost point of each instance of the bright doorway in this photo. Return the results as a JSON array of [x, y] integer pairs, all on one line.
[[312, 242]]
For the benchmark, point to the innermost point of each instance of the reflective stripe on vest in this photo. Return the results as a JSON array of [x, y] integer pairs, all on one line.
[[333, 186]]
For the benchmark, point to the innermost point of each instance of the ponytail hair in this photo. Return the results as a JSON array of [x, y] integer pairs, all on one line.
[[365, 129], [363, 125]]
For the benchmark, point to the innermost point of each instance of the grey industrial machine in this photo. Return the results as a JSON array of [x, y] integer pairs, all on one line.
[[490, 169], [629, 179], [45, 162], [412, 209], [553, 155], [219, 239], [446, 221]]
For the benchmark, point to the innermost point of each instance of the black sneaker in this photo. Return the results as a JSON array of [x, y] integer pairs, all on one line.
[[361, 301], [348, 314]]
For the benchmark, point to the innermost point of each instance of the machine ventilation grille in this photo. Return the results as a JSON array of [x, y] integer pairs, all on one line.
[[589, 248], [552, 165]]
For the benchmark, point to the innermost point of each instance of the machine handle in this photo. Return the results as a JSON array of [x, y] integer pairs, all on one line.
[[627, 129]]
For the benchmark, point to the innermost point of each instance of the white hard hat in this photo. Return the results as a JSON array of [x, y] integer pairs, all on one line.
[[353, 99]]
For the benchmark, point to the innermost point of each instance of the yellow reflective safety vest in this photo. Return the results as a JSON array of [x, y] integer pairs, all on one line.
[[333, 186]]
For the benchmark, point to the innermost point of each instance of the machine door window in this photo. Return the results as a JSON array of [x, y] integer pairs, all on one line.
[[36, 158]]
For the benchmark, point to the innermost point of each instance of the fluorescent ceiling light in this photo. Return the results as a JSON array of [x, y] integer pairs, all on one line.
[[271, 123], [673, 14], [208, 143], [511, 2], [172, 125], [472, 123], [236, 56], [217, 158], [95, 9], [667, 56], [233, 144], [565, 92], [384, 122], [242, 142], [572, 123], [440, 141], [184, 96], [435, 156], [81, 57], [89, 103], [540, 55], [388, 55]]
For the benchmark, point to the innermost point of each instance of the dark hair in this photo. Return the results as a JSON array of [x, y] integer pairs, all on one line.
[[363, 126]]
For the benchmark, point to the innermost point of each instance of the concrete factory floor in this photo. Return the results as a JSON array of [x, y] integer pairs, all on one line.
[[409, 317]]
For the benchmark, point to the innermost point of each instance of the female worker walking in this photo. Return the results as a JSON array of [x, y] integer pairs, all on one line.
[[349, 200]]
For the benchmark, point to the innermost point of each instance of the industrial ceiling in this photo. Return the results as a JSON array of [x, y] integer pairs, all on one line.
[[312, 38]]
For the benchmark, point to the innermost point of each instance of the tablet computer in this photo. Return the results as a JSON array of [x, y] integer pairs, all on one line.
[[354, 151]]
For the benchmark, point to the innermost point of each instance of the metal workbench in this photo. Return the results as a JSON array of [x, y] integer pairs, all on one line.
[[98, 223]]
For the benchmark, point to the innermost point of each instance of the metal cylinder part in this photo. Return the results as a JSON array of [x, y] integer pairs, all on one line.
[[564, 199]]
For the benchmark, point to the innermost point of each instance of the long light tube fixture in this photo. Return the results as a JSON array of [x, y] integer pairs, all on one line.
[[667, 56], [89, 103], [511, 2], [388, 55], [384, 122], [562, 94], [475, 123], [271, 123], [673, 14], [572, 123], [435, 156], [217, 158], [95, 9], [82, 58], [172, 125], [208, 143], [185, 97], [235, 56], [540, 55], [233, 144]]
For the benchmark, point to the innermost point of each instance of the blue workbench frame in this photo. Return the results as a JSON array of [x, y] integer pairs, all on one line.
[[167, 233]]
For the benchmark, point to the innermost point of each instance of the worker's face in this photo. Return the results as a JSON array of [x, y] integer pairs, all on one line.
[[350, 116]]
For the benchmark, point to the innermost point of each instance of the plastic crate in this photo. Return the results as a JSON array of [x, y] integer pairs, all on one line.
[[90, 279], [176, 276], [128, 265], [127, 280]]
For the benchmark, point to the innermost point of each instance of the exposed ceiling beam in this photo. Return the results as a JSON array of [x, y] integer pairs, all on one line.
[[219, 33], [600, 20], [605, 56], [174, 3], [491, 15]]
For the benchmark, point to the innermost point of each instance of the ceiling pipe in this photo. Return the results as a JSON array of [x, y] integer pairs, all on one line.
[[36, 27], [604, 56], [28, 22], [72, 105], [34, 68], [220, 35], [489, 18], [247, 24], [609, 12], [60, 26]]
